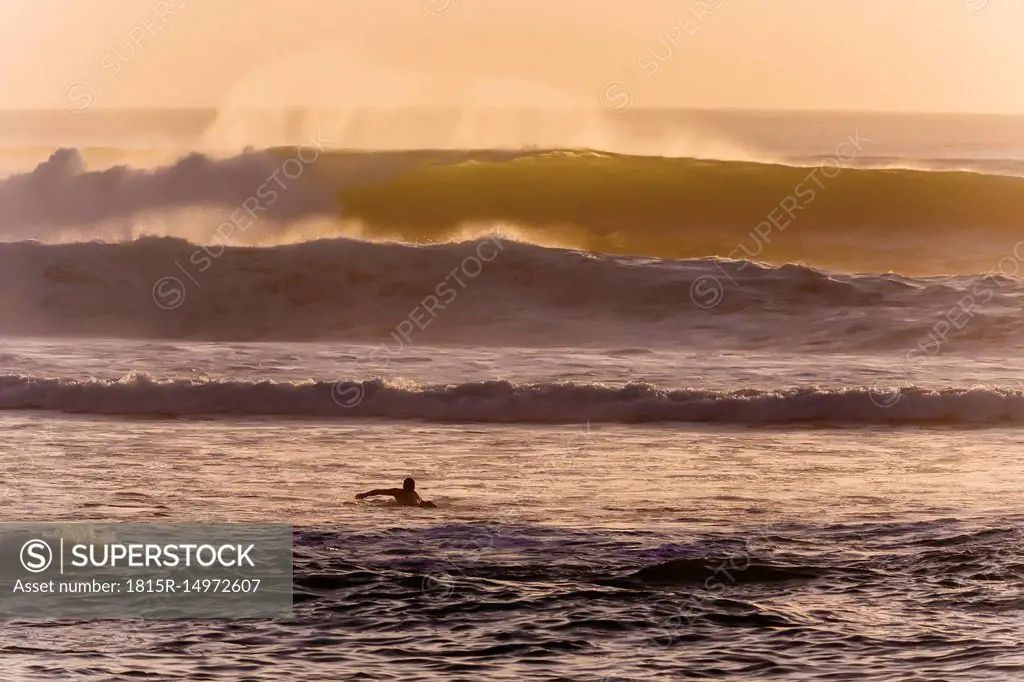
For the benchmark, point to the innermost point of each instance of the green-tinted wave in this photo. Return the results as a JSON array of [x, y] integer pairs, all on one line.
[[681, 207]]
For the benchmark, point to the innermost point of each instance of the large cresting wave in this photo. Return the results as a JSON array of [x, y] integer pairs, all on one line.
[[511, 403], [594, 201]]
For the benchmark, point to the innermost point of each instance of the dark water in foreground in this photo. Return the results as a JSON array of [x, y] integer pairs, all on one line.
[[615, 553], [875, 600]]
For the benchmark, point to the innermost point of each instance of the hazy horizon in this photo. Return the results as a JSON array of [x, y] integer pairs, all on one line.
[[786, 55], [634, 110]]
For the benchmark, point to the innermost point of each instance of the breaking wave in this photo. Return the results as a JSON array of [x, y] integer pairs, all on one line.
[[507, 402], [493, 291], [594, 201]]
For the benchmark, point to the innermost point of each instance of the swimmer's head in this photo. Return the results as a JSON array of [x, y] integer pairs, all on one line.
[[409, 484]]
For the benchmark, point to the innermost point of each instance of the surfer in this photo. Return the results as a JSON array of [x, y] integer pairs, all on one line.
[[406, 496]]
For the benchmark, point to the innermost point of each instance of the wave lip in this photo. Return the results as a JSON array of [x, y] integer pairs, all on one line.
[[505, 402]]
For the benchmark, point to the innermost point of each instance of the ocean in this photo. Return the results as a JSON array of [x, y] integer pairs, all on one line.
[[682, 416]]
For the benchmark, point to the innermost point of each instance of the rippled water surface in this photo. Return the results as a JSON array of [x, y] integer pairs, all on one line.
[[565, 551]]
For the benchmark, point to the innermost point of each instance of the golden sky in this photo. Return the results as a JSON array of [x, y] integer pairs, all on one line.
[[887, 55]]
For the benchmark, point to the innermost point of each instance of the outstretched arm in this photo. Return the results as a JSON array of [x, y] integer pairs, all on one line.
[[379, 491]]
